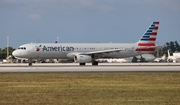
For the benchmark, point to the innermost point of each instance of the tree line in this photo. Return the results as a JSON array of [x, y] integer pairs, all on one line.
[[3, 52], [171, 46]]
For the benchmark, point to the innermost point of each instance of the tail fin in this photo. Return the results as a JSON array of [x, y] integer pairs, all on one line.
[[164, 57], [168, 54], [147, 41]]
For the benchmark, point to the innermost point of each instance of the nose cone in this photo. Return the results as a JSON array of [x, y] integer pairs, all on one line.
[[21, 54], [15, 53]]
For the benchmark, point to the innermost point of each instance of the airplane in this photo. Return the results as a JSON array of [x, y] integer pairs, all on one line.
[[174, 58], [162, 59], [83, 53]]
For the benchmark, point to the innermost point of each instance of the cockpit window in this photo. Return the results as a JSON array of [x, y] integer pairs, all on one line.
[[23, 48]]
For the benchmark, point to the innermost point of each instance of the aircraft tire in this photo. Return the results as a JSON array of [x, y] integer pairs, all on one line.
[[30, 64], [95, 63], [82, 64]]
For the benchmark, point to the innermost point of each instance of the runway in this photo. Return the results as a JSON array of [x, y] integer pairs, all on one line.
[[102, 67]]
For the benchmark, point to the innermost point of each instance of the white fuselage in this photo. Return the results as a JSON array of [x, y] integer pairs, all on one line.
[[61, 50]]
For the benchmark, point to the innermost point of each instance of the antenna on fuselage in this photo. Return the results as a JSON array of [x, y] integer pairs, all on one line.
[[57, 39], [38, 40]]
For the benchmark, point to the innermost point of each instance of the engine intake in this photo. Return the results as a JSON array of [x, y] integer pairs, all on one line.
[[82, 58]]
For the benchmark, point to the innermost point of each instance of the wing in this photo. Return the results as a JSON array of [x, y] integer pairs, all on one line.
[[101, 52], [94, 53]]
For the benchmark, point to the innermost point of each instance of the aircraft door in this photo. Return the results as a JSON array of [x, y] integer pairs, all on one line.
[[33, 49]]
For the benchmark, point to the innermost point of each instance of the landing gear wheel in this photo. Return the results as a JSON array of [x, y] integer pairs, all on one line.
[[82, 64], [95, 63], [134, 60], [30, 64]]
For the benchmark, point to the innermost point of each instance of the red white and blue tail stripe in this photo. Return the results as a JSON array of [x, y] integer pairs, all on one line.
[[147, 41]]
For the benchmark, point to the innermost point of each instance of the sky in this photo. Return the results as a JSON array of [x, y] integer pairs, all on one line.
[[86, 21]]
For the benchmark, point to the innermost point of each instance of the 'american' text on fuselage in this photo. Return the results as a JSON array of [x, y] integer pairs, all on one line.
[[59, 48]]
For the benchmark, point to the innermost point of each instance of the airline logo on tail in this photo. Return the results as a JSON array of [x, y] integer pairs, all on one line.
[[147, 41]]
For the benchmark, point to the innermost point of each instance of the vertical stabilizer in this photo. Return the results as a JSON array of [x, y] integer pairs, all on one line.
[[147, 41], [168, 54]]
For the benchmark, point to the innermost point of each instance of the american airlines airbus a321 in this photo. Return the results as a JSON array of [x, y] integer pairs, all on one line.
[[83, 53]]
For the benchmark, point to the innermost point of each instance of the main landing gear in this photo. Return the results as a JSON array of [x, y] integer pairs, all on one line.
[[82, 64], [94, 63]]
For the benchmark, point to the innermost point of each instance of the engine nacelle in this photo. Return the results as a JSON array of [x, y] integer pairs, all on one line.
[[82, 58], [66, 60]]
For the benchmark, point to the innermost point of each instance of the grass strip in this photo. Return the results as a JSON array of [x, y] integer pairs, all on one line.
[[90, 88]]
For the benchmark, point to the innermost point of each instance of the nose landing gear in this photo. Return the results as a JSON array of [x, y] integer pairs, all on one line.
[[30, 62]]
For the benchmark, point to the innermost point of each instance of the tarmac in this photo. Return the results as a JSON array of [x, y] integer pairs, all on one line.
[[102, 67]]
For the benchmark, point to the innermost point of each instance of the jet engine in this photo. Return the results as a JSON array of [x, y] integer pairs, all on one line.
[[66, 60], [82, 58]]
